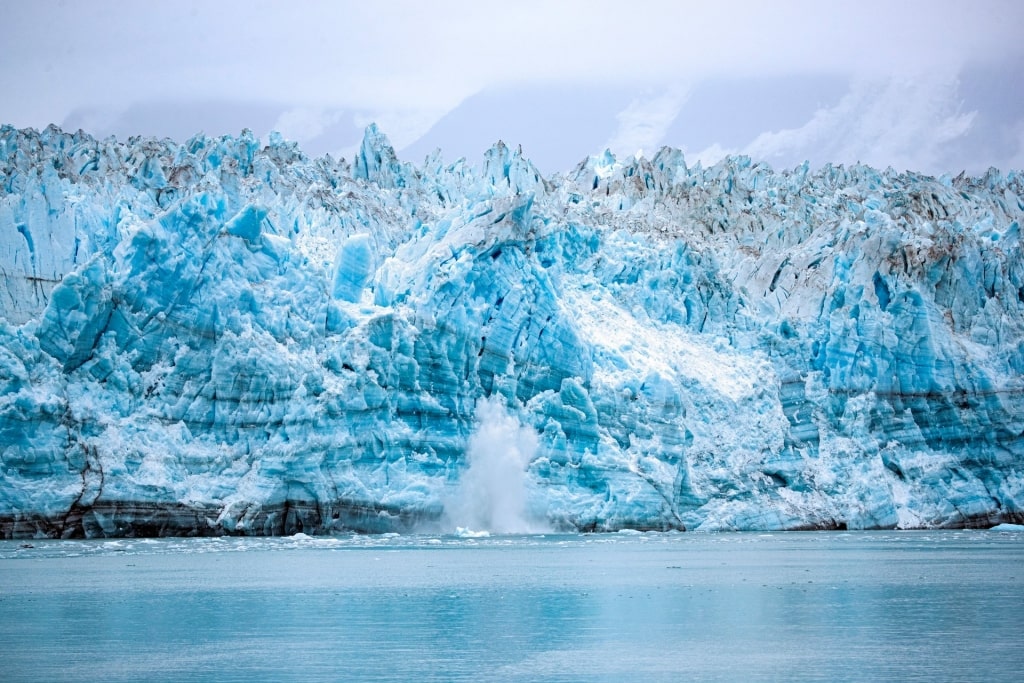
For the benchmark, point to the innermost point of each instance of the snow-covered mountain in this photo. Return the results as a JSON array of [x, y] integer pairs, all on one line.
[[229, 337]]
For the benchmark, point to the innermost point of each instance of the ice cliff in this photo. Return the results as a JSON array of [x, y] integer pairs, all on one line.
[[225, 336]]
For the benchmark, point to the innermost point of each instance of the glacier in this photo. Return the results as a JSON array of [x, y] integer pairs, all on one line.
[[226, 336]]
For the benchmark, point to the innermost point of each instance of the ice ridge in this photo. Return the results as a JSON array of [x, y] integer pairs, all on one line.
[[226, 336]]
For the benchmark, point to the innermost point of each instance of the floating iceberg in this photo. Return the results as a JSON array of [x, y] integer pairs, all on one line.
[[228, 337]]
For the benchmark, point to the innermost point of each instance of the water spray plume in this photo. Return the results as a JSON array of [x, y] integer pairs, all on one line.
[[491, 493]]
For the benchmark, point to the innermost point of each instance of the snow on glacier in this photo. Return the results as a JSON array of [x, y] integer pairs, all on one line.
[[225, 336]]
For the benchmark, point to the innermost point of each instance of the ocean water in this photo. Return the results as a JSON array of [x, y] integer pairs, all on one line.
[[885, 606]]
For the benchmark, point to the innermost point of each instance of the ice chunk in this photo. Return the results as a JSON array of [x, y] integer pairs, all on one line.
[[355, 267]]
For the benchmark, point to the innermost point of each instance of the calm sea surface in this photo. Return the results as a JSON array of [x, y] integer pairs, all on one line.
[[907, 606]]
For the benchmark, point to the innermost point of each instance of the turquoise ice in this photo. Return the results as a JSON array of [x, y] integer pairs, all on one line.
[[225, 336]]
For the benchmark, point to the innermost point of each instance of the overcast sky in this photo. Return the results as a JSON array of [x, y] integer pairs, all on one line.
[[933, 85]]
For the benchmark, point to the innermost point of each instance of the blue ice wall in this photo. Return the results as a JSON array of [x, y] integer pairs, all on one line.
[[225, 336]]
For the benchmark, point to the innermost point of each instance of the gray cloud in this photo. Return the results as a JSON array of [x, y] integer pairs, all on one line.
[[322, 68], [902, 122]]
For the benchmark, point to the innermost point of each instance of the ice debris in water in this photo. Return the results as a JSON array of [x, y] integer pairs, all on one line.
[[226, 336], [466, 532]]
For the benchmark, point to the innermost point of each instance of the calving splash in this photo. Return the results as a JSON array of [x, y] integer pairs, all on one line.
[[491, 496]]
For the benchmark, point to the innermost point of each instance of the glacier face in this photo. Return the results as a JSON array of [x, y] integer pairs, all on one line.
[[226, 336]]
